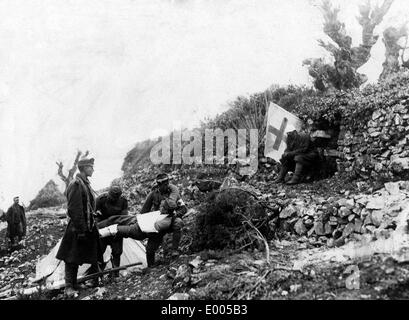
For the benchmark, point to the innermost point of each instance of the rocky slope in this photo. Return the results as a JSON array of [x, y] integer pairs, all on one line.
[[338, 211]]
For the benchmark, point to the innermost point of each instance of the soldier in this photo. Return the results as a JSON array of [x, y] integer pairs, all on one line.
[[164, 198], [301, 153], [174, 208], [16, 222], [153, 229], [111, 204], [80, 243]]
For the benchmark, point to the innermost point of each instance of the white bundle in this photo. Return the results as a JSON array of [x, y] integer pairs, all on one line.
[[146, 221]]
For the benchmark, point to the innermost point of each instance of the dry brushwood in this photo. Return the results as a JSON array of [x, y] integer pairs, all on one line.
[[231, 218], [67, 179], [260, 237], [247, 292]]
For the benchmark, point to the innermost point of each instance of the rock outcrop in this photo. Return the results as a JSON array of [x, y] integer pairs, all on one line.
[[48, 196]]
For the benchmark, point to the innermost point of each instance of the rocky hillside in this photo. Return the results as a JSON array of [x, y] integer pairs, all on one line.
[[48, 196], [297, 263], [249, 238]]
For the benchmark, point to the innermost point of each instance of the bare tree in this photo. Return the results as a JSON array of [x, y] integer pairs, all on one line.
[[67, 179], [342, 74], [394, 51]]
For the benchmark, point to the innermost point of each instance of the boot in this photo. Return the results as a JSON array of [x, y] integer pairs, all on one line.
[[281, 176], [152, 246], [116, 262], [93, 283], [13, 242], [176, 236], [70, 293], [108, 231], [297, 174], [71, 271], [150, 259]]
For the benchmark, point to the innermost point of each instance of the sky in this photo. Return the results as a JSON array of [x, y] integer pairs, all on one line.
[[100, 75]]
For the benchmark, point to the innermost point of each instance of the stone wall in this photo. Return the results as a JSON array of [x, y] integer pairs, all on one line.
[[335, 220], [381, 147]]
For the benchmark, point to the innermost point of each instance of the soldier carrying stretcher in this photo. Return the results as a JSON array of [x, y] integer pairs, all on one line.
[[159, 215]]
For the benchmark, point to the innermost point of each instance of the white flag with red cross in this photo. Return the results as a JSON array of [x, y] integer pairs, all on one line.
[[279, 123]]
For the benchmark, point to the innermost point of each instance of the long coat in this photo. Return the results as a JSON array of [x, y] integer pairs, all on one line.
[[80, 243], [16, 221]]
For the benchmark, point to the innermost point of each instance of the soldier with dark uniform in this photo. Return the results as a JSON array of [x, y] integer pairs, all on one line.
[[109, 204], [16, 222], [300, 155], [163, 190], [80, 243]]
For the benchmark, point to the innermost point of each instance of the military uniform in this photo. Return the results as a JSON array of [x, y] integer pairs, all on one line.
[[16, 222], [80, 243], [153, 203], [301, 153], [112, 207], [167, 202]]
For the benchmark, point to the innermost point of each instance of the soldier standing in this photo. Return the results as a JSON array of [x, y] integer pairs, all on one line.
[[80, 243], [16, 222]]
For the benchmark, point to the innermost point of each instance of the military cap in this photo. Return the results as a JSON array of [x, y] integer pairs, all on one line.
[[86, 162], [162, 177], [115, 190]]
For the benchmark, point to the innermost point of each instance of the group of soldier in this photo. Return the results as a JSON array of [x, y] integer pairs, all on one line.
[[98, 222], [94, 223]]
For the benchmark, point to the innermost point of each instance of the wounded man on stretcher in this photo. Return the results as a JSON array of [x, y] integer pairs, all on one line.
[[151, 225]]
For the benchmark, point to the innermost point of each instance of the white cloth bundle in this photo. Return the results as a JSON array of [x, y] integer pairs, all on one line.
[[146, 221]]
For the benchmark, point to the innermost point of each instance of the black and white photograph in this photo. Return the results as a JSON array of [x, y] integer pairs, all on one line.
[[189, 151]]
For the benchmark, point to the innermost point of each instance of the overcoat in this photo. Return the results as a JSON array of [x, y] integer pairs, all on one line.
[[80, 243], [16, 221]]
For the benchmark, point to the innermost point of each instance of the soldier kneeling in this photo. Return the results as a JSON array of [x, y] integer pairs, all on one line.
[[301, 154]]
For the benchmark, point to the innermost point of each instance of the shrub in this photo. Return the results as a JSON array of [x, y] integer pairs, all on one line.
[[228, 219], [353, 108]]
